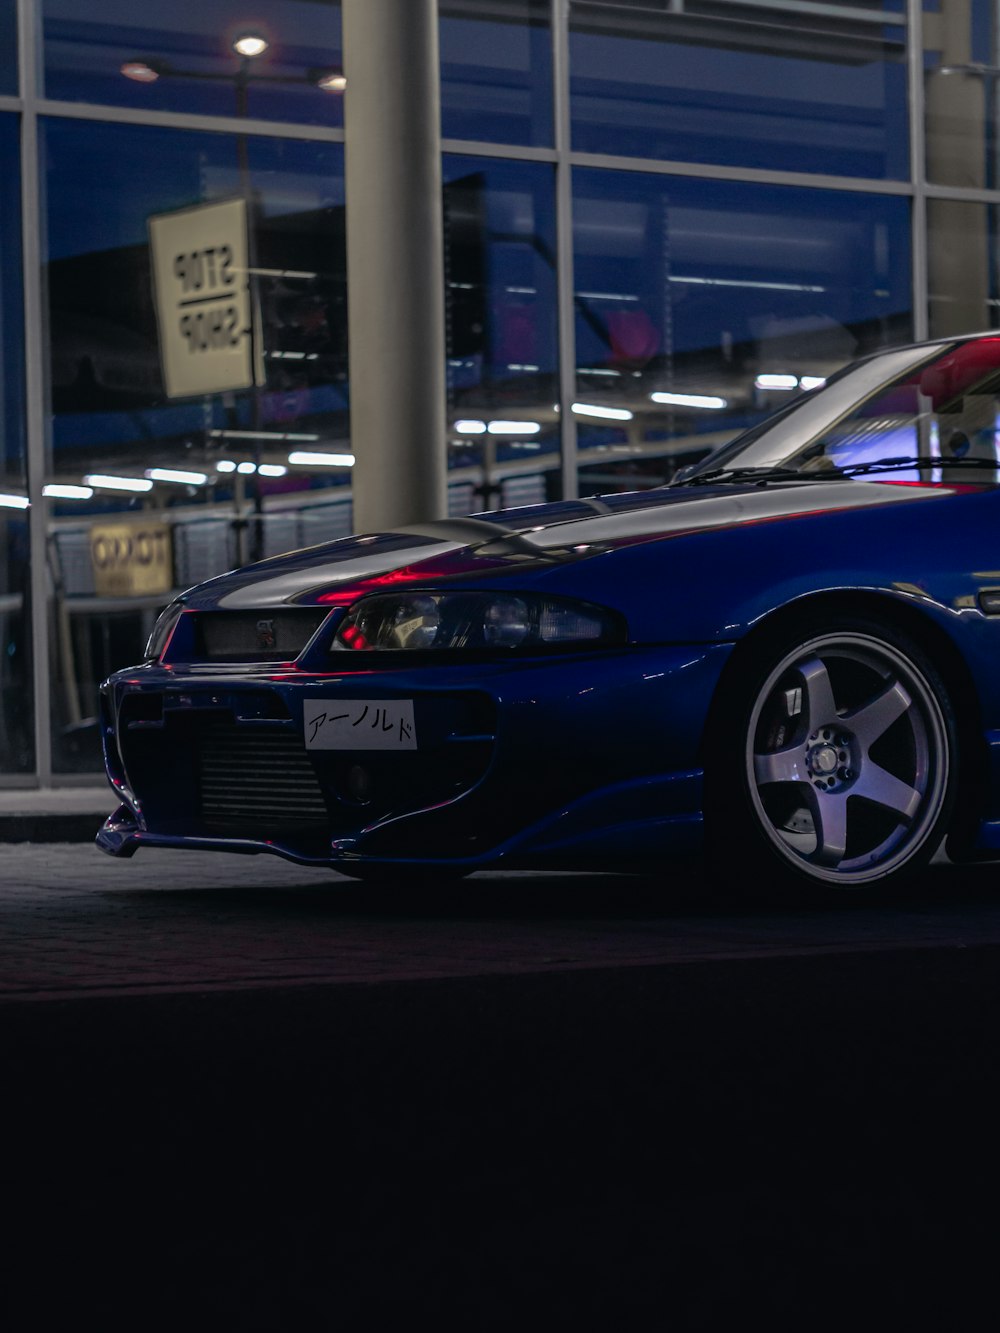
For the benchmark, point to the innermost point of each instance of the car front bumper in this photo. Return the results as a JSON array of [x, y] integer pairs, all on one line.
[[548, 762]]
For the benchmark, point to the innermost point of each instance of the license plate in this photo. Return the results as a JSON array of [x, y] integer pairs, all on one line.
[[359, 724]]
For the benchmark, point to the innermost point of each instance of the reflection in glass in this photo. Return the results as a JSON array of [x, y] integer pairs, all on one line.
[[962, 90], [496, 71], [774, 85], [149, 493], [16, 704], [963, 267], [212, 57], [8, 46], [703, 306], [500, 271]]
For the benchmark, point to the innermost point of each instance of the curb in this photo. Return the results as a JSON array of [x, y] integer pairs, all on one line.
[[50, 827]]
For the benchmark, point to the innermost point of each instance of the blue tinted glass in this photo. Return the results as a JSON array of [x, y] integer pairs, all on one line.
[[178, 55], [500, 270], [11, 325], [702, 305], [8, 46], [496, 71], [16, 709], [962, 94], [216, 466], [718, 81]]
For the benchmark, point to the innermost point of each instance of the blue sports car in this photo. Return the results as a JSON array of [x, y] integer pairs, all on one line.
[[789, 657]]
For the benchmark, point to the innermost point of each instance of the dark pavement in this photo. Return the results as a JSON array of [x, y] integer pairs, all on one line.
[[245, 1095]]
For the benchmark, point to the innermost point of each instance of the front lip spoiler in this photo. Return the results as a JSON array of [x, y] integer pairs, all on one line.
[[560, 839], [120, 835]]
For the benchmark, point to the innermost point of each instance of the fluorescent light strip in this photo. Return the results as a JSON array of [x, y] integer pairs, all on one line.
[[56, 491], [604, 413], [470, 427], [225, 465], [785, 383], [246, 469], [272, 470], [305, 458], [747, 282], [180, 477], [514, 427], [259, 435], [14, 502], [607, 296], [710, 401], [102, 483]]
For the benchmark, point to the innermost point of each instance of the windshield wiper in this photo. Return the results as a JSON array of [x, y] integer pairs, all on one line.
[[758, 475], [915, 461], [761, 476]]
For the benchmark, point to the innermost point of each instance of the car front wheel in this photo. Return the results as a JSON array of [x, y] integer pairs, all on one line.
[[834, 758]]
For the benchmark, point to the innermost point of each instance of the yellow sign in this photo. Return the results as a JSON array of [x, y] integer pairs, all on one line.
[[131, 559]]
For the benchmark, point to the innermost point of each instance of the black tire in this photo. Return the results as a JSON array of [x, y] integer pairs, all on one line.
[[831, 760]]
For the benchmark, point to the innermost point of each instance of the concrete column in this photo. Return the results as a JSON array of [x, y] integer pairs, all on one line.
[[395, 261]]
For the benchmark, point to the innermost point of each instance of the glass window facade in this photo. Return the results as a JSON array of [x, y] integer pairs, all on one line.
[[8, 46], [496, 71], [701, 304], [963, 266], [774, 85], [662, 219], [501, 320], [181, 56], [209, 477], [962, 89], [16, 691]]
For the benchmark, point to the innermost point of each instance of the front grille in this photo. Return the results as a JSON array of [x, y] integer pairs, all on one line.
[[255, 778], [255, 636]]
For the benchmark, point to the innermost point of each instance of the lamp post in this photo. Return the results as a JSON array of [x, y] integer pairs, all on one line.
[[248, 46]]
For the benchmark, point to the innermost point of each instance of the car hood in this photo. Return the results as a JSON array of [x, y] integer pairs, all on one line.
[[521, 545]]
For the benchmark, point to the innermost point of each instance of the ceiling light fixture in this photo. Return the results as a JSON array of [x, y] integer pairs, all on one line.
[[180, 477], [514, 427], [103, 483], [305, 458], [604, 413], [56, 491], [141, 71], [707, 400], [330, 80]]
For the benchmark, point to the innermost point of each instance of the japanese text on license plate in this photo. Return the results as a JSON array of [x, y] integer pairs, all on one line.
[[359, 724]]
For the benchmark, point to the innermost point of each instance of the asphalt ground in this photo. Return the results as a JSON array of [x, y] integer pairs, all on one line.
[[240, 1094]]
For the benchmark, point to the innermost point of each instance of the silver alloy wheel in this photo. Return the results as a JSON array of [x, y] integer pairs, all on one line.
[[847, 758]]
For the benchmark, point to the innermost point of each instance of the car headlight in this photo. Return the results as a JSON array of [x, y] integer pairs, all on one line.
[[162, 631], [407, 622]]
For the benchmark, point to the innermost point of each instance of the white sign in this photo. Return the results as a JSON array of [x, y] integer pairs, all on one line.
[[201, 281], [359, 724]]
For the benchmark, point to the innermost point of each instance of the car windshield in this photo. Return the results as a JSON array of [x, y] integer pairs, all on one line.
[[926, 414]]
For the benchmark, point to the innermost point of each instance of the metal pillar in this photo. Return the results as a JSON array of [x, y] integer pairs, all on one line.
[[395, 261]]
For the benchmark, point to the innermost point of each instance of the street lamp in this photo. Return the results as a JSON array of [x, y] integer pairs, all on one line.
[[248, 45]]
